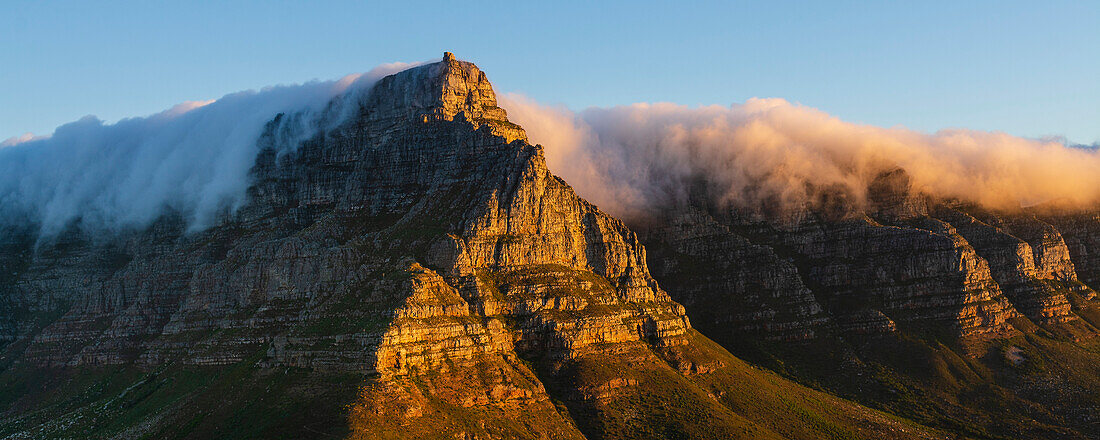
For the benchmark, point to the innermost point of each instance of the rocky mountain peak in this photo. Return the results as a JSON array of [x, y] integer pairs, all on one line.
[[443, 91]]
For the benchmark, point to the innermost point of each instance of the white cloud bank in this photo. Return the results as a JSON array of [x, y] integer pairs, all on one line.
[[193, 158], [630, 159]]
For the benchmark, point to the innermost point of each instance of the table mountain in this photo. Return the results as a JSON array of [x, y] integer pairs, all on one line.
[[414, 272]]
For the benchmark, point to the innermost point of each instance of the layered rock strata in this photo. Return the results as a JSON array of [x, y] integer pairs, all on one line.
[[898, 261], [424, 222], [423, 243]]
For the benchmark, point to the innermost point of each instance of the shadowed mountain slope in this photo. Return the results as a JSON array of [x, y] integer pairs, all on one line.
[[977, 321]]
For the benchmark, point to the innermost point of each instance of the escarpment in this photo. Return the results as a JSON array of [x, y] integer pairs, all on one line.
[[901, 301], [415, 271], [421, 207], [909, 261]]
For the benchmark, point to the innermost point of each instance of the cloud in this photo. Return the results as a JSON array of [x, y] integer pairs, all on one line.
[[193, 158], [16, 140], [769, 153], [186, 106]]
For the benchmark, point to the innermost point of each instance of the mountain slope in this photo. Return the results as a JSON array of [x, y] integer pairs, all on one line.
[[976, 321], [415, 272]]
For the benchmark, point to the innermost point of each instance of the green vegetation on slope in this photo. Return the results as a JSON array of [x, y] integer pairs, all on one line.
[[1033, 385], [233, 402]]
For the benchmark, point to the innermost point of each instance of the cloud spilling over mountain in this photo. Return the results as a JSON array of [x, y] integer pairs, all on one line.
[[193, 158], [768, 153]]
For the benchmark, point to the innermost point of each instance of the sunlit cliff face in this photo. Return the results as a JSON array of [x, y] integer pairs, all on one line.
[[632, 159]]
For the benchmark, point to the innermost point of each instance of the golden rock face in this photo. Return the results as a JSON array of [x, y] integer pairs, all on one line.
[[424, 248]]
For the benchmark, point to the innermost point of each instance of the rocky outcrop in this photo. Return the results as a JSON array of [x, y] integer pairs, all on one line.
[[760, 293], [1080, 231], [431, 172], [897, 300], [921, 277], [897, 261], [421, 242], [1029, 259]]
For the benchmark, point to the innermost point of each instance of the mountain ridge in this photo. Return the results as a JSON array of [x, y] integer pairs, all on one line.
[[915, 305], [414, 272]]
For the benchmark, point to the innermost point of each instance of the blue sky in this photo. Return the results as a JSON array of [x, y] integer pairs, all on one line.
[[1026, 68]]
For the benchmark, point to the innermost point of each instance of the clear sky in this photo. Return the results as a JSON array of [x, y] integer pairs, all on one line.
[[1027, 68]]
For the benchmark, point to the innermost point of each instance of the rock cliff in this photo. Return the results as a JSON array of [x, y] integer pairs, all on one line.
[[903, 261], [873, 289], [421, 251]]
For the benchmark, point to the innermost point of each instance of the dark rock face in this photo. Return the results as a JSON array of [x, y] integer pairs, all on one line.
[[424, 243], [734, 286], [906, 302], [902, 262]]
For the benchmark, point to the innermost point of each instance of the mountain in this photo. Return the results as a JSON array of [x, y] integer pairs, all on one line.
[[977, 321], [414, 272]]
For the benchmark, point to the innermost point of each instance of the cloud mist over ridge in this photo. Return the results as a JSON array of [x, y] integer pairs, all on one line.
[[768, 153], [193, 158]]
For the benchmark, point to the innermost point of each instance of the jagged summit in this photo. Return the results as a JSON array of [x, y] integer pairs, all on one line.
[[443, 91]]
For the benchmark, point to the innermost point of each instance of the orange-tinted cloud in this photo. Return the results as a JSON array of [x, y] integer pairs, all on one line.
[[628, 159]]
